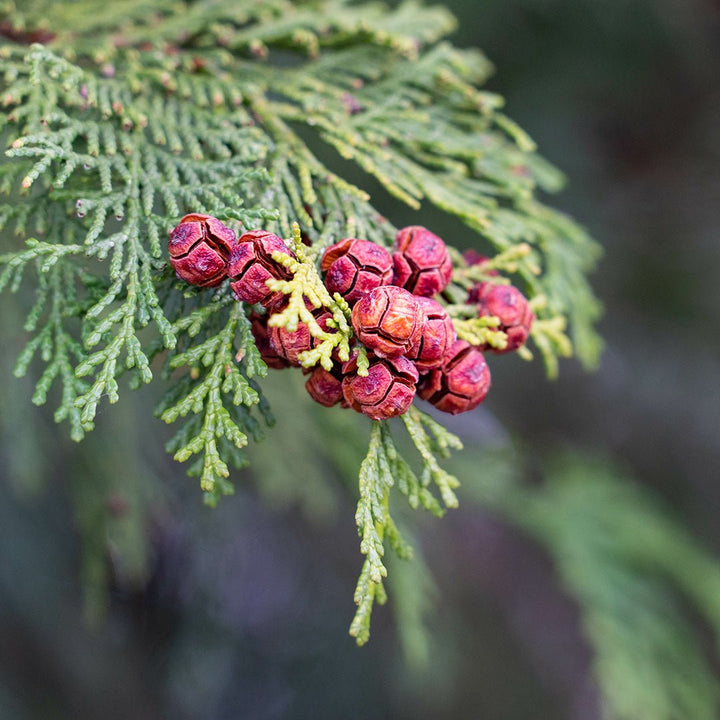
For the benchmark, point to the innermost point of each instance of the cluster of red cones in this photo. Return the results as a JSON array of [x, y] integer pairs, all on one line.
[[411, 343]]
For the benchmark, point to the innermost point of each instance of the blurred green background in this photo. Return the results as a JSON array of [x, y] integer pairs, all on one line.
[[242, 612]]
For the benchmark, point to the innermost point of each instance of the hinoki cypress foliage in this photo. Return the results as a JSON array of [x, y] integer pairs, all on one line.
[[119, 119]]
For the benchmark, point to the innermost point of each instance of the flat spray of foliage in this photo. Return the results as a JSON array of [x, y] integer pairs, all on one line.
[[649, 594], [120, 118]]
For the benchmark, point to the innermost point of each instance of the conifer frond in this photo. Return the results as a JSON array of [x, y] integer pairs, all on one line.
[[217, 392], [130, 175], [56, 346], [633, 571], [431, 440], [243, 26], [382, 468]]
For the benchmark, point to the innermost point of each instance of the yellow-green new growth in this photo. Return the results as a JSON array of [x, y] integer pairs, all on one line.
[[306, 284], [477, 330], [518, 258]]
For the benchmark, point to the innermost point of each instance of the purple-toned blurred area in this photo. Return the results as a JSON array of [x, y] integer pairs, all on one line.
[[242, 612]]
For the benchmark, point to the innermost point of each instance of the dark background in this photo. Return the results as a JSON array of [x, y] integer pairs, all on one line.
[[242, 612]]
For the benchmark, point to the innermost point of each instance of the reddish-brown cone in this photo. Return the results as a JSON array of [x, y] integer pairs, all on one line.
[[200, 248], [289, 345], [251, 265], [510, 305], [354, 267], [461, 383], [325, 387], [259, 328], [386, 391], [421, 261], [437, 335], [388, 321]]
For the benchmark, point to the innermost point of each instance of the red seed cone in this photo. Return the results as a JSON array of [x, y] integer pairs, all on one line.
[[289, 345], [461, 383], [421, 261], [508, 304], [388, 321], [260, 331], [251, 265], [387, 390], [325, 387], [354, 267], [199, 249]]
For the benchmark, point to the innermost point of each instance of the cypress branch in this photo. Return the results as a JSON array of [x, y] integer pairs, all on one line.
[[119, 122]]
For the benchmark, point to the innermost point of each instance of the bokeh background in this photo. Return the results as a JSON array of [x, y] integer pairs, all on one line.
[[242, 612]]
